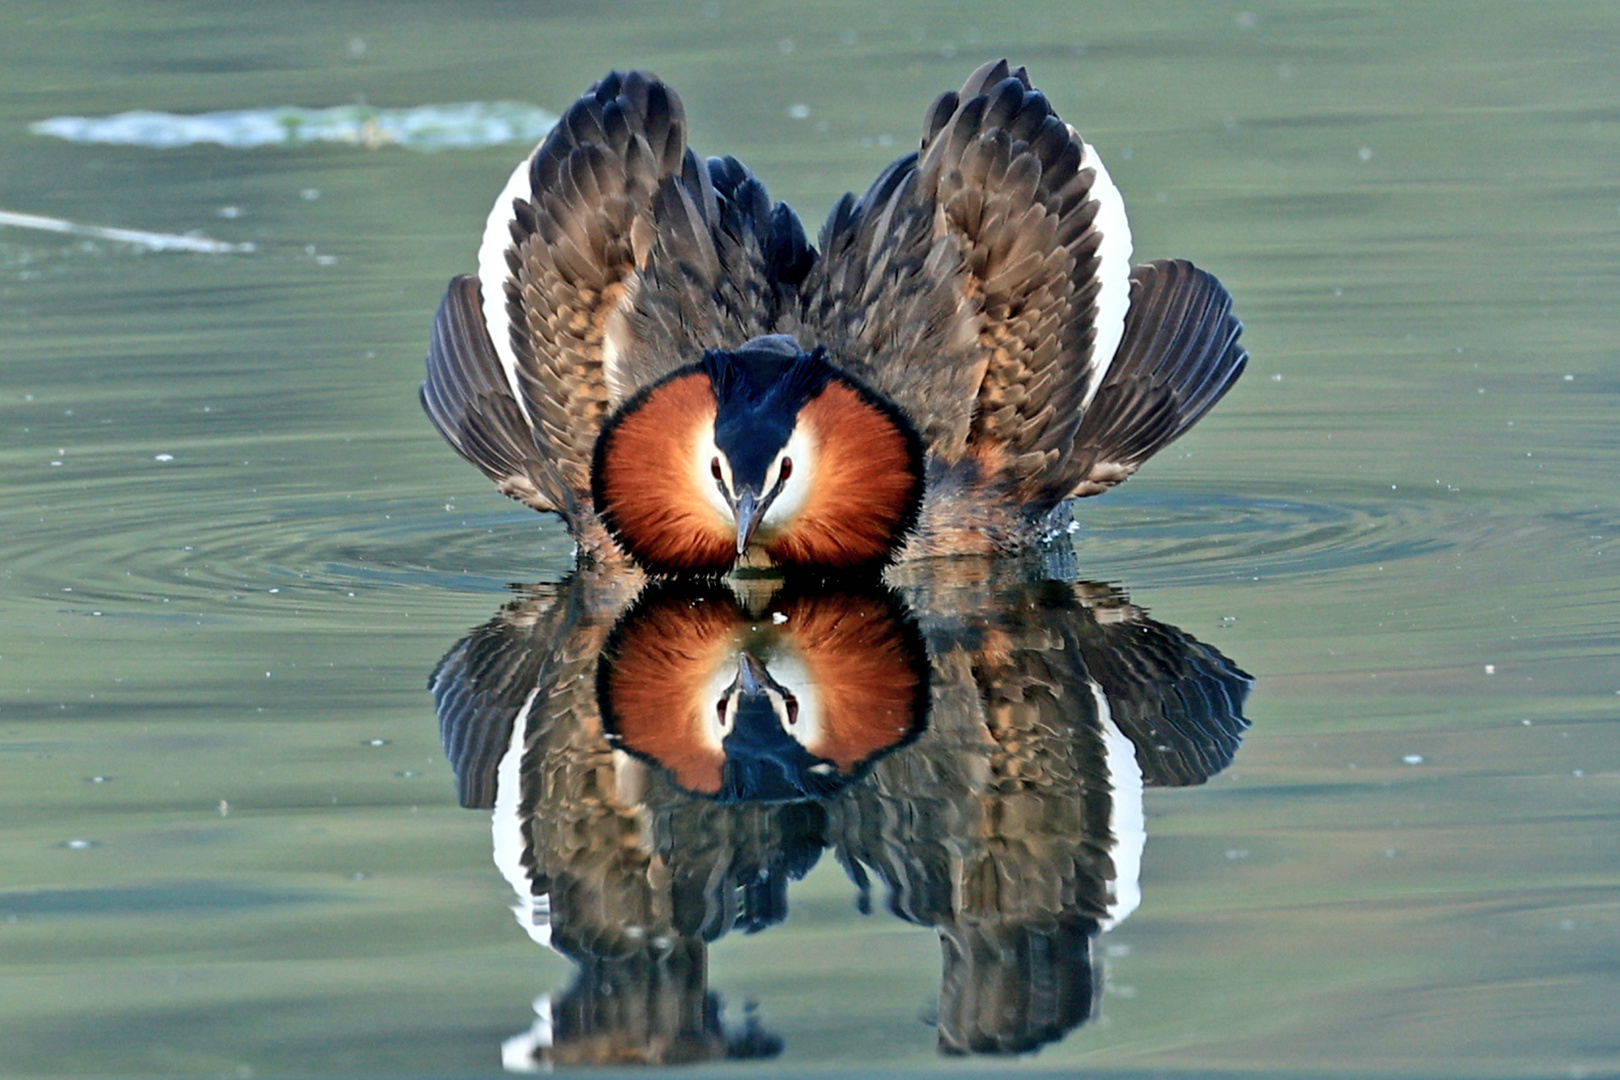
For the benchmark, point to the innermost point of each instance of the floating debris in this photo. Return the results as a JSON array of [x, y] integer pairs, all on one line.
[[464, 126], [151, 240]]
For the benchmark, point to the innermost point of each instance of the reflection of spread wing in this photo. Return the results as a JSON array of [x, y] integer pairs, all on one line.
[[1179, 701], [1011, 987], [605, 854], [1014, 824], [996, 827], [482, 685], [517, 712]]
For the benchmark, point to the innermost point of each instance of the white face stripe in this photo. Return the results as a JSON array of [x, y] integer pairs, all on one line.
[[1113, 269], [703, 475], [788, 668], [718, 703], [493, 272], [801, 448]]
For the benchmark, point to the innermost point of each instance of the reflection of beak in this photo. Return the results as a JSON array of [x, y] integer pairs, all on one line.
[[748, 511], [752, 678]]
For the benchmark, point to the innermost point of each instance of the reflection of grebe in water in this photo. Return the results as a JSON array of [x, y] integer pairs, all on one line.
[[1008, 816]]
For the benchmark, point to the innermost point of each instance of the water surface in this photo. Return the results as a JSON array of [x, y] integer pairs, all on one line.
[[232, 550]]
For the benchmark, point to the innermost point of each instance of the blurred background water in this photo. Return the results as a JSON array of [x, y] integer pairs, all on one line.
[[232, 549]]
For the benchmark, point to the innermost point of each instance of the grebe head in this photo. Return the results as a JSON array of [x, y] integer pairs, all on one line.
[[767, 447]]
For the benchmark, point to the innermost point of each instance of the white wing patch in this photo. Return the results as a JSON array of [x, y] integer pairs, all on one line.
[[513, 855], [1126, 820], [493, 272], [1114, 265]]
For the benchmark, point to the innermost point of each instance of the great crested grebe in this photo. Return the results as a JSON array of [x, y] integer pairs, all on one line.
[[653, 350]]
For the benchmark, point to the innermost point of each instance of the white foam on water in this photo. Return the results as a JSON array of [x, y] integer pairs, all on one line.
[[153, 241], [462, 126]]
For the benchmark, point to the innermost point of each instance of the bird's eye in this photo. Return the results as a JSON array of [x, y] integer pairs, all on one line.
[[714, 468], [787, 469], [791, 704], [720, 712]]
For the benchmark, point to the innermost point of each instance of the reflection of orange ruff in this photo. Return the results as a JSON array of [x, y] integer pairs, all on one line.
[[862, 668], [654, 678], [853, 665]]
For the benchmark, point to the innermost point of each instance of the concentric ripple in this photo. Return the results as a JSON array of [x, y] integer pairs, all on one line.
[[275, 555], [1209, 537], [302, 552]]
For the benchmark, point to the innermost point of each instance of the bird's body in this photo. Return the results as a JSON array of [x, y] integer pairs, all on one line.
[[655, 351]]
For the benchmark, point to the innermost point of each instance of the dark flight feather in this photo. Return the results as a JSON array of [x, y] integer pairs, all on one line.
[[469, 400], [1180, 354]]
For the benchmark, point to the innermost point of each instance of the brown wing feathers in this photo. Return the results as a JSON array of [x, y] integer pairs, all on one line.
[[574, 245], [967, 283], [724, 265], [885, 301]]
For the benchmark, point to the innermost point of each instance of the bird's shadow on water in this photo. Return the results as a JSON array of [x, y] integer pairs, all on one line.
[[663, 761]]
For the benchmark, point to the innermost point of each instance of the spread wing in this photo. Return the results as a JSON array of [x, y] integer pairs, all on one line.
[[1180, 354], [468, 398], [982, 283], [612, 256], [578, 224]]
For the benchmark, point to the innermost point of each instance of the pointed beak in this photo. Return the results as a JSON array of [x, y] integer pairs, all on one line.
[[748, 512]]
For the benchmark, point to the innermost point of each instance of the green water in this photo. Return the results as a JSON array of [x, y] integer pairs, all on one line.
[[231, 842]]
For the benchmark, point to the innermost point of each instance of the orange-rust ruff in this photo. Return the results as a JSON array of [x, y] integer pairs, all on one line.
[[664, 524], [791, 700], [655, 351], [870, 468]]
